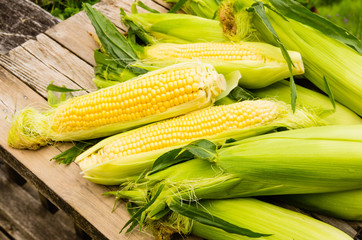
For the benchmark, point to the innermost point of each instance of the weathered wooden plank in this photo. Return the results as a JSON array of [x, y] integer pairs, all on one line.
[[63, 185], [56, 57], [33, 72], [27, 214], [21, 20], [2, 235], [10, 230], [73, 33]]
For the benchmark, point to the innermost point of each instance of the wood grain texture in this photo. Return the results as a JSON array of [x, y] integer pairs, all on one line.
[[63, 185], [21, 20], [33, 72], [28, 215], [73, 34], [61, 60]]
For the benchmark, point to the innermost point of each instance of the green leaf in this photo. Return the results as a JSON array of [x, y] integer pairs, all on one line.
[[53, 100], [296, 11], [170, 158], [55, 88], [144, 6], [114, 43], [203, 149], [69, 155], [206, 218], [329, 93], [134, 218], [177, 6], [260, 11], [240, 94]]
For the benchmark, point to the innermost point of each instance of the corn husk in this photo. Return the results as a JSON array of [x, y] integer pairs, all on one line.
[[346, 205]]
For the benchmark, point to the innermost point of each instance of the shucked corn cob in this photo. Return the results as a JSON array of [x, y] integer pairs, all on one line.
[[128, 154], [260, 64], [161, 94]]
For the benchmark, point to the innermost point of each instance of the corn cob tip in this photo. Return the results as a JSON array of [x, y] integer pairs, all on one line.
[[27, 130]]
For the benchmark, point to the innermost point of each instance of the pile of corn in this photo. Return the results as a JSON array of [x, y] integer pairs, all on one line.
[[190, 147]]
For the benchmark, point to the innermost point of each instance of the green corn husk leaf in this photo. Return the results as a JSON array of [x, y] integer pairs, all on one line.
[[263, 217], [346, 205], [271, 164], [108, 71], [32, 129], [311, 99], [266, 66], [177, 28], [99, 169], [201, 8], [108, 34]]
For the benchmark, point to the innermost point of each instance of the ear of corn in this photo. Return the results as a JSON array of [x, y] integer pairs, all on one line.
[[263, 217], [130, 153], [158, 95], [271, 164], [346, 205], [260, 64], [311, 99]]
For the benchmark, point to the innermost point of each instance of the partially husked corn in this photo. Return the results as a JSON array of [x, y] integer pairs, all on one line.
[[157, 95], [204, 51], [128, 154], [260, 64], [184, 129]]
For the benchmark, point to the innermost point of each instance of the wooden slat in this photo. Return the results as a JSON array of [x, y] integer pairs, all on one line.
[[6, 227], [28, 215], [74, 32], [32, 71], [63, 185], [21, 20], [56, 57]]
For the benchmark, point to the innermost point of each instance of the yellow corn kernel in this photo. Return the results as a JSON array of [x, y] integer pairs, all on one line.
[[184, 129]]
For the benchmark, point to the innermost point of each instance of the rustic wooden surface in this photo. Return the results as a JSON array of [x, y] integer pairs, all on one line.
[[21, 20], [64, 55], [21, 207]]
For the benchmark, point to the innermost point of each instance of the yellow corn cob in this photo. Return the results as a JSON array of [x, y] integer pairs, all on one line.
[[260, 64], [160, 94], [218, 123]]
